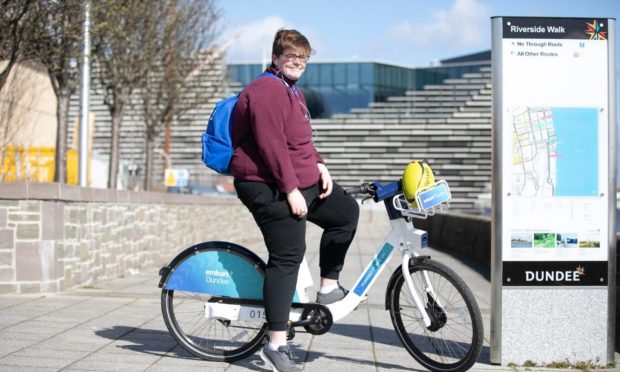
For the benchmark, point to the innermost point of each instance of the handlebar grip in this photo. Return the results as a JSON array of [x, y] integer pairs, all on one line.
[[353, 190], [364, 188]]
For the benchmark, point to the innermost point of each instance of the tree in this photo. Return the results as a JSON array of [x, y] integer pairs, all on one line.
[[59, 49], [173, 87], [127, 44], [48, 31], [20, 22]]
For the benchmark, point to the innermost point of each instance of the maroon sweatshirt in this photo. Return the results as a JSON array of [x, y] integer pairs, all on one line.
[[272, 135]]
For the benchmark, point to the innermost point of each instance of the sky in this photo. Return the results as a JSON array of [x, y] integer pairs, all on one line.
[[413, 33]]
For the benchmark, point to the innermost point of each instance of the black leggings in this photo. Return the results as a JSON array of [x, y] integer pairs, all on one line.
[[285, 238]]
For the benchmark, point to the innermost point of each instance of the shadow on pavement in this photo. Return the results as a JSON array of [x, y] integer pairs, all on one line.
[[387, 336], [314, 355], [149, 341], [160, 343]]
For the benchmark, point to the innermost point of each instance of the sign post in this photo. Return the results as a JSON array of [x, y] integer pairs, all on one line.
[[554, 190]]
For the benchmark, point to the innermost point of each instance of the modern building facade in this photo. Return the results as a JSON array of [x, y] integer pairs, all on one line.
[[377, 118], [333, 88]]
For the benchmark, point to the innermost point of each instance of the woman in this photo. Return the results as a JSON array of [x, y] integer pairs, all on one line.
[[284, 182]]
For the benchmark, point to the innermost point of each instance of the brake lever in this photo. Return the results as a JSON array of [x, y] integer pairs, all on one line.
[[366, 198]]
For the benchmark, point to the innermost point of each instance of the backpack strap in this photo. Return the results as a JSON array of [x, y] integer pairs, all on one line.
[[292, 88]]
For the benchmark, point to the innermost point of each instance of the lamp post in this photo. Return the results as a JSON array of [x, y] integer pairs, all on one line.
[[84, 101]]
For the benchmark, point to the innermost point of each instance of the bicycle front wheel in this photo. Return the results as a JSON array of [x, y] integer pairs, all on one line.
[[184, 302], [454, 339]]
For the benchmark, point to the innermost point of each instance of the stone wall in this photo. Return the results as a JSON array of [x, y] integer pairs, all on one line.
[[56, 237], [462, 234]]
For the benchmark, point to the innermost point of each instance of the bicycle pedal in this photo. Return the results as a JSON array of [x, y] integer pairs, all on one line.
[[290, 333]]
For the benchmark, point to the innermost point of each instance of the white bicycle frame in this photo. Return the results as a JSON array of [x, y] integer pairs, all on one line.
[[407, 239], [403, 236]]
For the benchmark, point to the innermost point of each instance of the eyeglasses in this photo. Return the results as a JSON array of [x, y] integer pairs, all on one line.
[[291, 56]]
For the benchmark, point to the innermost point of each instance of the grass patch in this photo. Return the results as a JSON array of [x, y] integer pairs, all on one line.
[[565, 364], [529, 363]]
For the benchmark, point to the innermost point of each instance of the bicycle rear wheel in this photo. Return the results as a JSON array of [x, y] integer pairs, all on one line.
[[211, 338], [454, 340]]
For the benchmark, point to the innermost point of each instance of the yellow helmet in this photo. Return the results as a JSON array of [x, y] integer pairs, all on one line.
[[417, 175]]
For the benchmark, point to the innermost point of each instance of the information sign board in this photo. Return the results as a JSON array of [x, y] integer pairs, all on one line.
[[554, 193], [555, 120]]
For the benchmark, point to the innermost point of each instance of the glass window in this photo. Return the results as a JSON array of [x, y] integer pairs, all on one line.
[[310, 76], [339, 74], [353, 72], [326, 75], [366, 74], [345, 85]]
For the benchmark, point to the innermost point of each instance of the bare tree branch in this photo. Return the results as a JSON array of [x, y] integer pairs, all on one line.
[[58, 48], [172, 88], [20, 22], [127, 44]]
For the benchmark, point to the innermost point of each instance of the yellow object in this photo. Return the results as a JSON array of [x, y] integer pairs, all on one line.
[[416, 175], [170, 178], [23, 163], [35, 164], [72, 167]]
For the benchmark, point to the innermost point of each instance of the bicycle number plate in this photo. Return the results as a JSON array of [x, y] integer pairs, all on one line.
[[434, 195], [235, 312]]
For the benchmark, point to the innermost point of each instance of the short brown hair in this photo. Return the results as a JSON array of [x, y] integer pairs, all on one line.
[[290, 39]]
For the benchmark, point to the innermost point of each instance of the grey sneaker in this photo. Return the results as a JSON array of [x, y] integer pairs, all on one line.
[[331, 297], [280, 360]]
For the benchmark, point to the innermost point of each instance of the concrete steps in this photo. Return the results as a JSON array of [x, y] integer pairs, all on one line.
[[448, 125]]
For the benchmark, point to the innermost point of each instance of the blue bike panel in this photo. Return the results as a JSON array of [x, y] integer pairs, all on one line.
[[217, 273], [220, 274], [373, 269]]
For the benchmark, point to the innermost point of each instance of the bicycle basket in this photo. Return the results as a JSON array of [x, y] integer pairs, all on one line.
[[427, 201]]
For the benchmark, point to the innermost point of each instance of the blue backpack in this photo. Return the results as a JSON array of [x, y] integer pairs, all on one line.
[[217, 147]]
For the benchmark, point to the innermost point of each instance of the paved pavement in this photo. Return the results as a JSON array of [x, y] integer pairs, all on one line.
[[117, 325]]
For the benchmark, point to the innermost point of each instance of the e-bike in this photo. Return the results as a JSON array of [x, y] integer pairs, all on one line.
[[212, 293]]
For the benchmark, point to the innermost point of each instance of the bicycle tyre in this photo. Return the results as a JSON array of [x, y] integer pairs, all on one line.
[[211, 339], [455, 345]]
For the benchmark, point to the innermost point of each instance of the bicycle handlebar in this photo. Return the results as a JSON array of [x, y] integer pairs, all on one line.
[[364, 188], [376, 191]]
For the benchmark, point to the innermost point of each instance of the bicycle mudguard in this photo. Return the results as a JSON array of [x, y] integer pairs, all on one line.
[[218, 269]]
